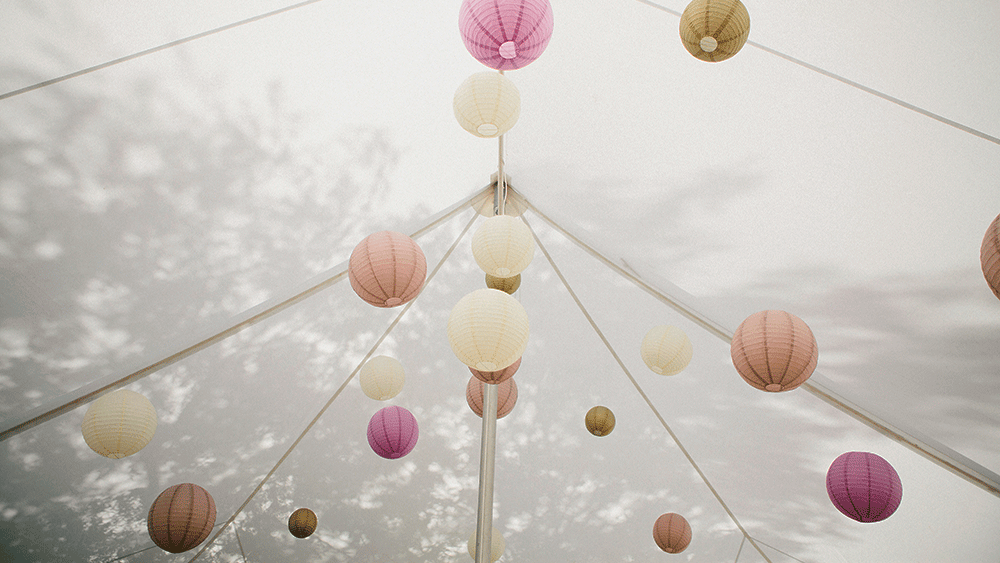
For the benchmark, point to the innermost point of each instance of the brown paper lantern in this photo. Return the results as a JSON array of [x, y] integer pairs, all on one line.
[[498, 376], [714, 30], [600, 421], [181, 517], [302, 523], [507, 285], [774, 351], [989, 256], [387, 269], [506, 396], [672, 532]]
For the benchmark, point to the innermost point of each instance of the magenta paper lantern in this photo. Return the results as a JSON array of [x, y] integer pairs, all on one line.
[[498, 376], [181, 517], [989, 256], [387, 269], [505, 34], [506, 396], [863, 486], [392, 432], [672, 532], [774, 351]]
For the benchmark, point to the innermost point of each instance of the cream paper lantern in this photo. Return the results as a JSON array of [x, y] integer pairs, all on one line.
[[382, 378], [119, 424], [503, 246], [666, 350], [487, 104], [496, 549], [488, 330]]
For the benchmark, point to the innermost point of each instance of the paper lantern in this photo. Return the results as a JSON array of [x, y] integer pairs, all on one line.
[[600, 421], [774, 351], [672, 532], [496, 549], [506, 396], [714, 30], [863, 486], [119, 424], [387, 269], [487, 104], [302, 523], [392, 432], [488, 330], [181, 517], [505, 34], [498, 376], [666, 350], [382, 378], [989, 256], [506, 285], [503, 246]]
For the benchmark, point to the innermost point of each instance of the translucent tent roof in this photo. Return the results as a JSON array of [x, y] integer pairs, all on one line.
[[148, 204]]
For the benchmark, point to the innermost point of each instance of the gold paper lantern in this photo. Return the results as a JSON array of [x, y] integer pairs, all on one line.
[[774, 351], [496, 549], [488, 330], [666, 350], [503, 246], [600, 421], [302, 523], [382, 378], [181, 517], [487, 104], [507, 285], [119, 424], [714, 30], [989, 256]]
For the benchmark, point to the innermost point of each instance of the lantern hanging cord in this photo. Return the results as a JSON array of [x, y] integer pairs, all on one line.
[[740, 550], [642, 393], [501, 176], [239, 543], [337, 393]]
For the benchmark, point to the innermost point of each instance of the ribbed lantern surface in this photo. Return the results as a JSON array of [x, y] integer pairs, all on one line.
[[666, 350], [672, 532], [505, 34], [507, 285], [382, 378], [506, 396], [387, 269], [498, 376], [181, 517], [487, 104], [119, 424], [497, 547], [600, 421], [863, 486], [774, 351], [989, 256], [503, 246], [714, 30], [488, 330], [302, 523], [392, 432]]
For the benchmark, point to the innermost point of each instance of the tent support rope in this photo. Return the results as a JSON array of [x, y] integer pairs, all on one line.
[[740, 550]]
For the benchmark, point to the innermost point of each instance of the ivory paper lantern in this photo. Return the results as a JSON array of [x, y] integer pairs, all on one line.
[[600, 421], [863, 486], [488, 330], [302, 523], [498, 376], [382, 378], [181, 517], [714, 30], [487, 104], [503, 246], [392, 432], [672, 532], [774, 351], [496, 549], [119, 424], [506, 396], [666, 350], [387, 269], [505, 34], [507, 285], [989, 256]]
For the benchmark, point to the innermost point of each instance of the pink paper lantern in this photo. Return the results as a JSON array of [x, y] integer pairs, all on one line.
[[672, 532], [863, 486], [387, 269], [506, 396], [498, 376], [392, 432], [181, 517], [989, 256], [774, 351], [505, 34]]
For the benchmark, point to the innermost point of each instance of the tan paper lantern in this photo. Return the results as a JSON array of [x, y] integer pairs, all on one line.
[[774, 351], [506, 396], [506, 285], [989, 256], [488, 330], [119, 424], [600, 421], [181, 517], [382, 378], [302, 523], [503, 246], [714, 30], [387, 269], [497, 548], [487, 104], [672, 532], [666, 350]]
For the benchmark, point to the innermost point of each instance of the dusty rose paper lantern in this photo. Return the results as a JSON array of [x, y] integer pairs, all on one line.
[[181, 517], [506, 396], [989, 256], [496, 549], [863, 486], [774, 351], [505, 34], [600, 421], [382, 378], [392, 432], [488, 330], [119, 424], [714, 30], [672, 532], [498, 376], [503, 246], [506, 285], [387, 269], [666, 350], [487, 104], [302, 523]]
